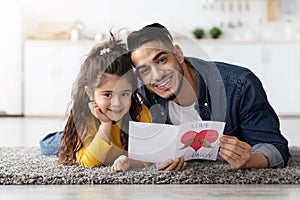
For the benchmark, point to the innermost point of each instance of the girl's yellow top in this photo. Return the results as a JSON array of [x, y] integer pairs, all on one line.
[[98, 152]]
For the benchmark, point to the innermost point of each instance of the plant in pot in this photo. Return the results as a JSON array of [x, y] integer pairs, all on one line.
[[198, 33], [215, 32]]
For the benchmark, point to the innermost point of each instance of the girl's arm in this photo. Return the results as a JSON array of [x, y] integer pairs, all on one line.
[[95, 153], [105, 127], [123, 163], [98, 153], [104, 131]]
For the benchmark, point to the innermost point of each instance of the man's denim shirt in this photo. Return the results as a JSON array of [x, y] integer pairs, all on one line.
[[235, 95]]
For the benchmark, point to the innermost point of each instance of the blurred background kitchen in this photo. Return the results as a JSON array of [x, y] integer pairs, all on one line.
[[43, 43]]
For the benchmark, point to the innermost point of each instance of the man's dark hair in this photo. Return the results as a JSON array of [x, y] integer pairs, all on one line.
[[151, 32]]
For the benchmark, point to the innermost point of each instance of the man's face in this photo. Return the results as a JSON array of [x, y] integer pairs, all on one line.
[[159, 68]]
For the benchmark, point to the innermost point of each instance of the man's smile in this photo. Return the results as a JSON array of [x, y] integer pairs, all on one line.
[[164, 84]]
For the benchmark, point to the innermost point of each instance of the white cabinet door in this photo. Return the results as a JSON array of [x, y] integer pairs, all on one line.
[[245, 55], [296, 83], [50, 68], [281, 74]]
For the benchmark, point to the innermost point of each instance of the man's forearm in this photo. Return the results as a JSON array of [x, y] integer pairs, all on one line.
[[271, 153], [257, 160]]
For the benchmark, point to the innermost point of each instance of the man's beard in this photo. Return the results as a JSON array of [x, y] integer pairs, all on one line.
[[175, 94]]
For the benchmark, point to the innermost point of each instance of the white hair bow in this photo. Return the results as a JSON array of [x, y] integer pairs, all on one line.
[[104, 51]]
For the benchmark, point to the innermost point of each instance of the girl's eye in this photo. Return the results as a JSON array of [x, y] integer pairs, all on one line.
[[126, 94], [107, 95], [144, 71]]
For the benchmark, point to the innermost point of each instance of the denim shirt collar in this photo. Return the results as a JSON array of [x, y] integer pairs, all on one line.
[[203, 94]]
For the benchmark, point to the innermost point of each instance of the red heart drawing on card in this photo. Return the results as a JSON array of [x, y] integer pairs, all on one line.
[[197, 140]]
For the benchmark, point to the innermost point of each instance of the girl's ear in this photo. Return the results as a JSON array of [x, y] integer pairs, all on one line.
[[179, 53], [89, 92]]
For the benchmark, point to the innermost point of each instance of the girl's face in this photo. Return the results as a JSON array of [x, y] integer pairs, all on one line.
[[114, 97]]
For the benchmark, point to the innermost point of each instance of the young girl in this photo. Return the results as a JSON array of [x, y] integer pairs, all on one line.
[[103, 101]]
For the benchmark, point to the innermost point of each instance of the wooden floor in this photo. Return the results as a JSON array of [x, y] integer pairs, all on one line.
[[27, 131], [151, 192]]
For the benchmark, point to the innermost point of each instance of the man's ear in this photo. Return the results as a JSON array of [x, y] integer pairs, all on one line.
[[178, 53], [89, 92]]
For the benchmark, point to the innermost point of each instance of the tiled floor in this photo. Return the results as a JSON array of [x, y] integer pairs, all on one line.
[[28, 132]]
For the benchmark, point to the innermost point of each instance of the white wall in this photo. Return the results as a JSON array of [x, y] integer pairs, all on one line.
[[100, 15]]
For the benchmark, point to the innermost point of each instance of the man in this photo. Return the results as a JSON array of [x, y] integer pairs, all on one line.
[[179, 89]]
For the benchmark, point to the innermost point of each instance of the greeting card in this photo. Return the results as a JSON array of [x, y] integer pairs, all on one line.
[[153, 142]]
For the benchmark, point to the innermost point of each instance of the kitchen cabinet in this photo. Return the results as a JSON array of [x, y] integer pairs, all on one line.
[[282, 77], [276, 63], [296, 80], [50, 68], [238, 54], [279, 77], [11, 59]]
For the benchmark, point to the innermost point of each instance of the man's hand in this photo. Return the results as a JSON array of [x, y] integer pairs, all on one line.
[[121, 164], [238, 154], [169, 165]]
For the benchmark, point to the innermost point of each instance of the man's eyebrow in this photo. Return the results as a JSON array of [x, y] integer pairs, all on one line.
[[153, 59], [158, 55]]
